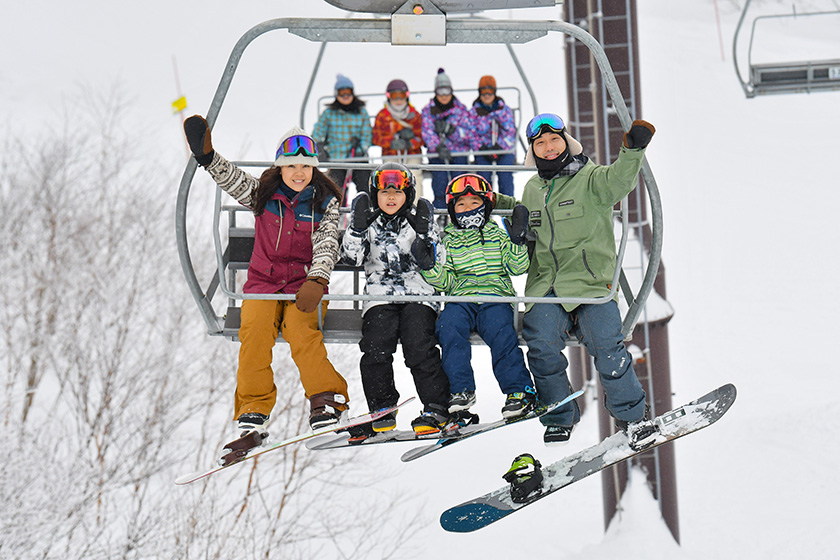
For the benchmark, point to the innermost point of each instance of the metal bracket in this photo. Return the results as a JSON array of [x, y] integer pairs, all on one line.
[[418, 22]]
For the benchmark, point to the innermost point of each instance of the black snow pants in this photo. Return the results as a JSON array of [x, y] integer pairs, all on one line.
[[413, 324]]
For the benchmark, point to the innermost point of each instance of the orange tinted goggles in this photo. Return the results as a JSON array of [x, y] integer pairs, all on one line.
[[391, 179], [469, 184]]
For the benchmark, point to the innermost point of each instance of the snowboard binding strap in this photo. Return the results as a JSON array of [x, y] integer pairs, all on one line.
[[525, 478]]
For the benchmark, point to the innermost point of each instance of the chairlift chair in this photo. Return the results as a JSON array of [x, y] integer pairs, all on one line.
[[344, 325], [785, 77]]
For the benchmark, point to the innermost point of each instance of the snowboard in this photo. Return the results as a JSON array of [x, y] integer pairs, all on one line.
[[696, 415], [446, 441], [271, 446], [439, 440]]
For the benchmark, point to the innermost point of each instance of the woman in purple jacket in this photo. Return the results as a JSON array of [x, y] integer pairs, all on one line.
[[295, 249]]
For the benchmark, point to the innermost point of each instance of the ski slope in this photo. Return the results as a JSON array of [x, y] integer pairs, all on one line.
[[750, 193]]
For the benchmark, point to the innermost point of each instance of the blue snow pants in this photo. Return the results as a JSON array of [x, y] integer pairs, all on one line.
[[494, 324], [546, 328]]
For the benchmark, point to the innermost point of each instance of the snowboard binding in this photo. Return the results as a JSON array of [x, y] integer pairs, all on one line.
[[525, 478], [239, 448]]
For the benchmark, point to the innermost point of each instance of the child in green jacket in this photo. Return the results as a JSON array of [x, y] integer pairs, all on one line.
[[480, 259]]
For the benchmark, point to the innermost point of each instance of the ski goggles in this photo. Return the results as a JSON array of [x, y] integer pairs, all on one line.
[[469, 184], [391, 179], [443, 91], [295, 145], [543, 122], [486, 90], [397, 94]]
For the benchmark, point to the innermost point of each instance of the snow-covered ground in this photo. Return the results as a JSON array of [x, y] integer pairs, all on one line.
[[750, 195]]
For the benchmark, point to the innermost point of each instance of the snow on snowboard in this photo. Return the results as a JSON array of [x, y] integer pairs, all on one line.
[[439, 441], [482, 511], [270, 446]]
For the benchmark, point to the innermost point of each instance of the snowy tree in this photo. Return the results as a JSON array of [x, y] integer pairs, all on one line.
[[110, 389]]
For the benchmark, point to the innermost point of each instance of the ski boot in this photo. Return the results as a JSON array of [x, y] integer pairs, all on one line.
[[461, 401], [326, 409], [518, 404], [430, 422], [642, 433], [385, 423], [360, 433], [557, 435], [525, 477]]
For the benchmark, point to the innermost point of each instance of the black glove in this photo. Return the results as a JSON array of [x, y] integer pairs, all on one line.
[[423, 251], [399, 145], [639, 134], [406, 134], [363, 216], [494, 157], [421, 219], [517, 227], [323, 152], [443, 152], [355, 143], [444, 127], [198, 137]]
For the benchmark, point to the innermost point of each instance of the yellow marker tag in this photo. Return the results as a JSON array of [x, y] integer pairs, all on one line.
[[179, 104]]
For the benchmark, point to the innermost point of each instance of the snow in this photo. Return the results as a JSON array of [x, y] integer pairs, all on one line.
[[750, 195]]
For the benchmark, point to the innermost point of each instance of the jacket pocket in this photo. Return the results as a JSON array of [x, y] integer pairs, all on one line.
[[570, 226], [260, 266]]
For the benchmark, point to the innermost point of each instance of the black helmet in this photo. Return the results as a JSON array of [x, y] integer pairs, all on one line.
[[394, 175]]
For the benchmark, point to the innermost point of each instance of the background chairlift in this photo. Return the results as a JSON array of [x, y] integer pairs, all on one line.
[[414, 23], [786, 77]]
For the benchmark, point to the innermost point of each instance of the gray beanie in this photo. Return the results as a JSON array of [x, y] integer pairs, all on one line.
[[442, 80]]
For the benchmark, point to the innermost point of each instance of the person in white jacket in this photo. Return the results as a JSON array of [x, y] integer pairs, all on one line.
[[380, 237]]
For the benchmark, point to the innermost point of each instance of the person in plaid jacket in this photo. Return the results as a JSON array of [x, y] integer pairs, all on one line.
[[343, 131]]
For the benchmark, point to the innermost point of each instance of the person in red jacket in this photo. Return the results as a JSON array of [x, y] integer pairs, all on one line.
[[398, 130], [296, 246]]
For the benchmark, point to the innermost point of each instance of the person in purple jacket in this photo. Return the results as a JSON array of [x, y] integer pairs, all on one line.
[[494, 129], [446, 131], [296, 247]]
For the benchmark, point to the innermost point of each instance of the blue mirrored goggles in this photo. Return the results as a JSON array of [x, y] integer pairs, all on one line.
[[295, 145], [543, 122]]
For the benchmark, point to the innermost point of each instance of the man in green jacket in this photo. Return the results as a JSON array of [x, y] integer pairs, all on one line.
[[570, 204]]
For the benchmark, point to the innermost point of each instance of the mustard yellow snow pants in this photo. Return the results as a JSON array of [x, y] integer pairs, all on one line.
[[261, 321]]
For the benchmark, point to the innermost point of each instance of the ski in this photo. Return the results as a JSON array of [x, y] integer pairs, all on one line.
[[446, 441], [271, 446], [696, 415], [437, 440]]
